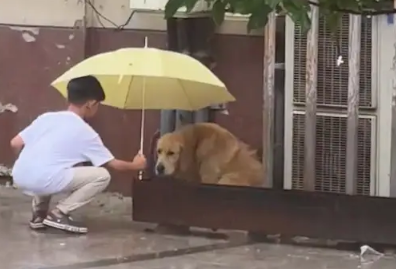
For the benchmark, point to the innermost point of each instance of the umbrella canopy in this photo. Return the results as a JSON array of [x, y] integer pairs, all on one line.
[[149, 78]]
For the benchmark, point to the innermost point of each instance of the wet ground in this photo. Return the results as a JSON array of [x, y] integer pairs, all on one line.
[[115, 242]]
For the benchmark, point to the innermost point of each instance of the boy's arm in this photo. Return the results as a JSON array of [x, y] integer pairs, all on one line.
[[99, 155], [26, 135], [17, 144], [121, 165]]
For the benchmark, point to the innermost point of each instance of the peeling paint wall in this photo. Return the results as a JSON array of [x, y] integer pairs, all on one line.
[[43, 38], [8, 107], [37, 46], [5, 171], [29, 34]]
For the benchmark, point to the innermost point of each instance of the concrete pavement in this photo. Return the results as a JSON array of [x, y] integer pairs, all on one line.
[[115, 242]]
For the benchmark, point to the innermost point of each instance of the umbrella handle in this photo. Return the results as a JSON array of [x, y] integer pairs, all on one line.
[[140, 175], [146, 42]]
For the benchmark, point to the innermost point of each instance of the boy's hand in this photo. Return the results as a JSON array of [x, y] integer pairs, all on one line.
[[140, 161]]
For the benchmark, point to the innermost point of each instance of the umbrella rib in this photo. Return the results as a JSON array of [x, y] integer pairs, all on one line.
[[129, 91], [185, 93]]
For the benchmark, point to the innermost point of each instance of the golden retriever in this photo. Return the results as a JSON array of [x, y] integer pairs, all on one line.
[[208, 153]]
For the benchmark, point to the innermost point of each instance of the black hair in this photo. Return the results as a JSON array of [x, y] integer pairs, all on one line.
[[83, 89]]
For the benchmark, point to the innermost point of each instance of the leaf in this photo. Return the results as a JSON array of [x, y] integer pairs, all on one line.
[[333, 20], [304, 21], [218, 11], [349, 5], [298, 13], [273, 3], [259, 17], [172, 6], [244, 6], [190, 4]]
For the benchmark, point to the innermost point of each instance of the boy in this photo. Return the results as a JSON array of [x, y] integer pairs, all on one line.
[[50, 148]]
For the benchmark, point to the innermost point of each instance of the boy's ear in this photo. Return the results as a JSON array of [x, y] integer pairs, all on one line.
[[90, 103]]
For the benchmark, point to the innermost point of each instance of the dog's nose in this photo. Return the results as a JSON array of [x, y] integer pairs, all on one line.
[[160, 169]]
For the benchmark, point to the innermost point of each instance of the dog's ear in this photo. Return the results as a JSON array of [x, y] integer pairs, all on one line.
[[186, 158], [181, 147]]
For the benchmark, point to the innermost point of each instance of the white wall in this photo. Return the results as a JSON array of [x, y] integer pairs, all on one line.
[[70, 13]]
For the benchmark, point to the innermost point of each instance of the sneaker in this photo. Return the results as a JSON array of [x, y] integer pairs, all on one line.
[[36, 222], [58, 220]]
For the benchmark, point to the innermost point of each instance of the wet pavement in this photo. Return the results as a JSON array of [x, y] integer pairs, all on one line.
[[115, 242]]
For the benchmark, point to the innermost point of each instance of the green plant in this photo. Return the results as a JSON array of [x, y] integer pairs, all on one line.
[[297, 10]]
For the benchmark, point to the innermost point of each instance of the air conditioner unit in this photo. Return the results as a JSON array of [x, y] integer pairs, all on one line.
[[332, 101], [330, 159], [159, 6], [333, 79]]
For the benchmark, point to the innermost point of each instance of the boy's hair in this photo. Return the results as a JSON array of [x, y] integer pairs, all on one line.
[[83, 89]]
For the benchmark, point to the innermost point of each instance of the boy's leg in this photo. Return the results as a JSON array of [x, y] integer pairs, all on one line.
[[40, 208], [86, 184]]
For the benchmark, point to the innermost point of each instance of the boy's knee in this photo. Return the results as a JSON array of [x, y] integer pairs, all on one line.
[[104, 176]]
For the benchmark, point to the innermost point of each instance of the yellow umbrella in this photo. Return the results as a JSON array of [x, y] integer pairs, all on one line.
[[149, 78]]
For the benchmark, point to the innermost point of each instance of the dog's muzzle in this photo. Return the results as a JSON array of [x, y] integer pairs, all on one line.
[[159, 169]]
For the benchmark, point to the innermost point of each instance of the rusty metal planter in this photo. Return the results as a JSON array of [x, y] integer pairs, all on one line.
[[267, 211]]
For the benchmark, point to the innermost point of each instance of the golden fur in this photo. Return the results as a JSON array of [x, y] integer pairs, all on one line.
[[208, 153]]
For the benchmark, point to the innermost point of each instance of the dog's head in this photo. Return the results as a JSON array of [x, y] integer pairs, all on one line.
[[169, 149]]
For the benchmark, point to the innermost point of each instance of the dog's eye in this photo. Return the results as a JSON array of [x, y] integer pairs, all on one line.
[[159, 151], [170, 153]]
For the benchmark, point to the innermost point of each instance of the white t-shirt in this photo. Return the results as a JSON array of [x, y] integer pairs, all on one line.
[[55, 142]]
